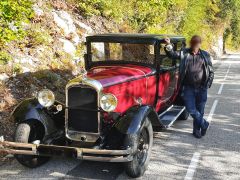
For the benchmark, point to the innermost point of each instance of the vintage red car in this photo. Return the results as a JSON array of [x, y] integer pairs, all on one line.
[[130, 88]]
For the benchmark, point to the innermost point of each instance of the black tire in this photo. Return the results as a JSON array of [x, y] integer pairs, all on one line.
[[26, 133], [184, 116], [142, 145]]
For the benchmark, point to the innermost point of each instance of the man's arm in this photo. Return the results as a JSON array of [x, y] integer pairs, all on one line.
[[211, 72], [169, 50]]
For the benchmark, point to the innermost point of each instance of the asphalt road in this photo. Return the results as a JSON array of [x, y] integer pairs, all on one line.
[[176, 153]]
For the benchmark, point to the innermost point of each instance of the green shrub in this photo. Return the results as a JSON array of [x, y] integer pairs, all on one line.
[[36, 35], [4, 57], [13, 14], [90, 7], [17, 68]]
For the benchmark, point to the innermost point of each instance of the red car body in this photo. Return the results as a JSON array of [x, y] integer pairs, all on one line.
[[129, 82]]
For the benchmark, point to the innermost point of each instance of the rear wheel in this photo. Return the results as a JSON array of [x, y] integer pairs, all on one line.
[[27, 133], [142, 145]]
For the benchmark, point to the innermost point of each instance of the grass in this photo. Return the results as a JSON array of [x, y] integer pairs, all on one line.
[[4, 57]]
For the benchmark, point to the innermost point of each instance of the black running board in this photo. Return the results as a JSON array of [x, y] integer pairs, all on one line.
[[169, 116]]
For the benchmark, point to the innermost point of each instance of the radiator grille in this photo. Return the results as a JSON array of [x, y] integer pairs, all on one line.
[[81, 100]]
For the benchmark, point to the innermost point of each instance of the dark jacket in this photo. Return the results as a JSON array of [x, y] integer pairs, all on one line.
[[183, 56]]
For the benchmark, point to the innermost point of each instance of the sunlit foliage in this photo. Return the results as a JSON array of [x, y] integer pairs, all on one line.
[[208, 18], [13, 15]]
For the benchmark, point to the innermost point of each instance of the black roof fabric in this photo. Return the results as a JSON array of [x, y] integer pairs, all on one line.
[[138, 38]]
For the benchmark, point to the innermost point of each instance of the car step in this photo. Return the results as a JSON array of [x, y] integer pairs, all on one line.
[[169, 116]]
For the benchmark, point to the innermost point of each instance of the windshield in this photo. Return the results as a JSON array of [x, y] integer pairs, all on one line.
[[105, 51]]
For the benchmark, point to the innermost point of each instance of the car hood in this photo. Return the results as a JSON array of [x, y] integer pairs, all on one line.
[[111, 75]]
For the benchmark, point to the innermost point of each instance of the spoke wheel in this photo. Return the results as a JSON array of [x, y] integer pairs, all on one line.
[[143, 147], [141, 144]]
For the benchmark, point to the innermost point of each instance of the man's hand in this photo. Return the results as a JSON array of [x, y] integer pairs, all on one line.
[[168, 46], [167, 40]]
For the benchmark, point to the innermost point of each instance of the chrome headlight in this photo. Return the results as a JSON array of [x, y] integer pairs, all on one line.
[[46, 98], [108, 102]]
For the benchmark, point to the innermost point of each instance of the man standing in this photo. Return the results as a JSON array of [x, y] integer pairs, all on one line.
[[196, 76]]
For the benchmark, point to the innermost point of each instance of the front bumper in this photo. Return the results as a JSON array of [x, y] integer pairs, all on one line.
[[75, 152]]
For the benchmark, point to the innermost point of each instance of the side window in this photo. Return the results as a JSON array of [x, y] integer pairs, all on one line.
[[167, 62], [179, 46]]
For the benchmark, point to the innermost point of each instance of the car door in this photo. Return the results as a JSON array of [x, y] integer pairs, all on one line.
[[168, 75]]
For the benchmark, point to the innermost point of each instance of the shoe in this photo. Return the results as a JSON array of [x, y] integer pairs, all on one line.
[[197, 134], [204, 131], [194, 130]]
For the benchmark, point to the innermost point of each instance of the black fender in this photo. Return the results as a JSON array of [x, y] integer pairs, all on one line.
[[132, 121], [30, 110]]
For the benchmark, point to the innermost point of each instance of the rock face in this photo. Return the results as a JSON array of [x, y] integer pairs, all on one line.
[[45, 57], [38, 11], [69, 33], [64, 21], [56, 36], [68, 47], [86, 29], [26, 70], [70, 28], [4, 77]]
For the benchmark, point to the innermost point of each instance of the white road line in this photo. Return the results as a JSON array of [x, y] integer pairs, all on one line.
[[210, 115], [192, 167], [194, 161], [229, 66], [221, 87]]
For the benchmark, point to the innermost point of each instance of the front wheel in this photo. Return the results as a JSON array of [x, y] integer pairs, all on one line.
[[27, 133], [142, 145]]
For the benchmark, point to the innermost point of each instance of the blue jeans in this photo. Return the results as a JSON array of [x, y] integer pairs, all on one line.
[[195, 100]]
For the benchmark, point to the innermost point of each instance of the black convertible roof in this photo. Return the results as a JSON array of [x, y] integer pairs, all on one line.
[[133, 38]]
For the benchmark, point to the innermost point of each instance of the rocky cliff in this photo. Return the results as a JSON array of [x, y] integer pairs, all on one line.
[[46, 57]]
